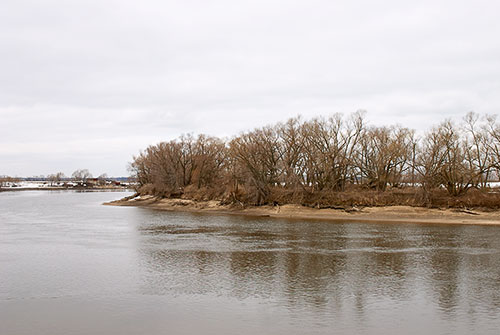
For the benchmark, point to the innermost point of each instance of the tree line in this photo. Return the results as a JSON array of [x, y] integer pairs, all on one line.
[[80, 175], [323, 159]]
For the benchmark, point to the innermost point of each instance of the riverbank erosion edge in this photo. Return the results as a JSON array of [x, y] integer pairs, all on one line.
[[387, 214]]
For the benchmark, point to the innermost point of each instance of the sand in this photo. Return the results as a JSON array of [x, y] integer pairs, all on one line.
[[388, 214]]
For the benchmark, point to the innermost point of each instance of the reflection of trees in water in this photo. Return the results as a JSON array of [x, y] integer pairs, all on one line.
[[312, 266], [444, 269], [464, 268], [331, 267], [182, 272], [252, 273], [377, 267]]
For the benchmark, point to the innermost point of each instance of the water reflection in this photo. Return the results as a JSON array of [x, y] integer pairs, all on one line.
[[323, 266], [70, 265]]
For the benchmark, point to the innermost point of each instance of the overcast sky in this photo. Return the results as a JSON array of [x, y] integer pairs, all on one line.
[[87, 84]]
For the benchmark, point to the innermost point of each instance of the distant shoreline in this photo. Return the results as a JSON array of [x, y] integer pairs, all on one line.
[[384, 214], [19, 189]]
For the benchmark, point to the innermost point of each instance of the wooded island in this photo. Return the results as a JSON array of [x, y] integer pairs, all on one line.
[[331, 162]]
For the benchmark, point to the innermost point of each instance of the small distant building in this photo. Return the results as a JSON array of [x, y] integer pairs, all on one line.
[[92, 181]]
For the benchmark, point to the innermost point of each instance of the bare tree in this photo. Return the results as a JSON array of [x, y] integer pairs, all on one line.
[[329, 151], [302, 161], [56, 178], [383, 155], [81, 175], [209, 159], [258, 155], [477, 149], [103, 177], [442, 161], [292, 167], [6, 180], [493, 129]]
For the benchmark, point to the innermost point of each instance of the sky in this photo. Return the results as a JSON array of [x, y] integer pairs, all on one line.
[[88, 84]]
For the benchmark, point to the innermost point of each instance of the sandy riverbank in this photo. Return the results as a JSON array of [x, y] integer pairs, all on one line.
[[393, 214]]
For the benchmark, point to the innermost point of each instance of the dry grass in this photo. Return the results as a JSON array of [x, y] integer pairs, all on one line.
[[353, 197]]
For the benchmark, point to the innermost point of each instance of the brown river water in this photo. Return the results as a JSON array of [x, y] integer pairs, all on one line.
[[69, 265]]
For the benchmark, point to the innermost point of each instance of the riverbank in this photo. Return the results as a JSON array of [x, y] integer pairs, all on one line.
[[393, 214]]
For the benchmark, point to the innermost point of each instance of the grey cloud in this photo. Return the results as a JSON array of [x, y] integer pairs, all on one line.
[[101, 79]]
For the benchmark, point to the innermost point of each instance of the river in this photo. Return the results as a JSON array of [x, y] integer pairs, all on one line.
[[69, 265]]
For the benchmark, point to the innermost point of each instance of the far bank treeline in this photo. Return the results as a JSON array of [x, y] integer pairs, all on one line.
[[328, 162]]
